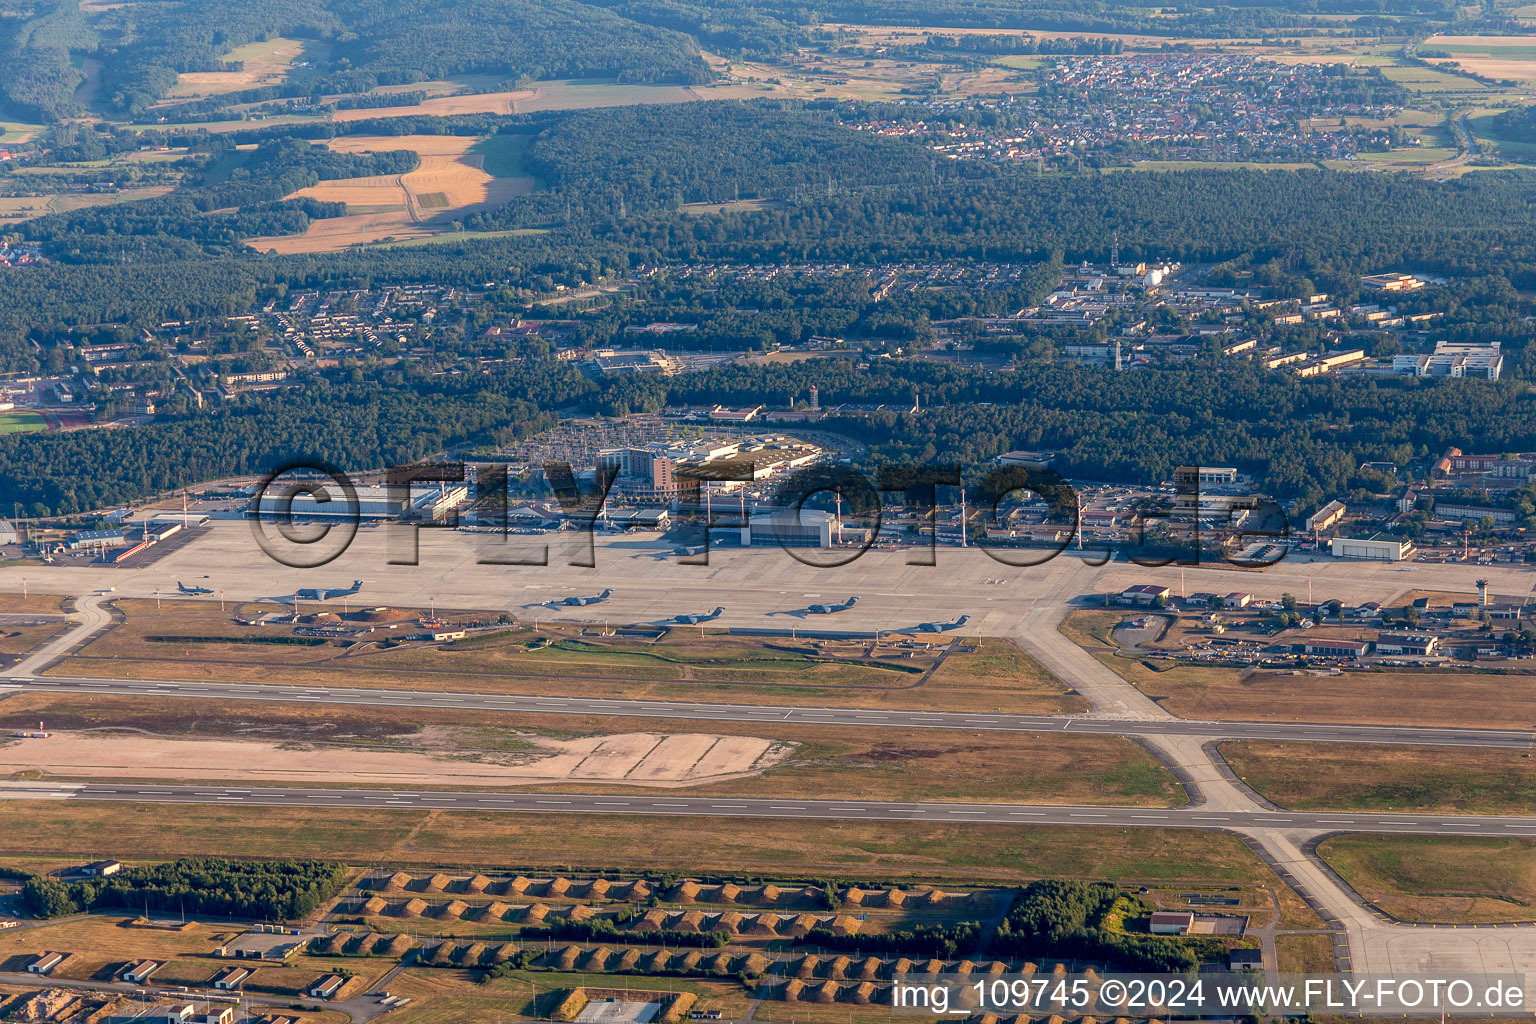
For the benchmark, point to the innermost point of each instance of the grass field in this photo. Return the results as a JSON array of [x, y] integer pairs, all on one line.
[[886, 851], [1483, 127], [449, 237], [1305, 954], [267, 62], [1023, 61], [18, 131], [1408, 157], [1454, 880], [1423, 80], [807, 761], [995, 676], [21, 422], [1336, 777], [26, 207]]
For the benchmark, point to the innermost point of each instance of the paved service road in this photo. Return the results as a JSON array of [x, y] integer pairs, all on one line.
[[975, 721], [836, 810]]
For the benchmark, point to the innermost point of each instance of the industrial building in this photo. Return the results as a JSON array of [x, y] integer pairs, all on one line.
[[1379, 548], [1144, 593], [810, 528], [1325, 517], [1413, 645], [659, 471], [372, 503], [1334, 647], [1453, 359], [96, 540], [1171, 922]]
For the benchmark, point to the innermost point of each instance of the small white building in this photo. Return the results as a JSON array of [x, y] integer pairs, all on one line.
[[327, 986]]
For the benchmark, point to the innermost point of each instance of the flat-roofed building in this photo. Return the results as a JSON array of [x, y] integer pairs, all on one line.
[[1375, 549], [1172, 922], [1325, 517], [1334, 647], [1413, 645]]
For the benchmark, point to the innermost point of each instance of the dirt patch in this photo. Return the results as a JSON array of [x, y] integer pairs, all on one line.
[[647, 759]]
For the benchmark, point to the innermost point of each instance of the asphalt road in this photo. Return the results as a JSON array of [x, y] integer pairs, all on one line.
[[975, 721], [835, 810]]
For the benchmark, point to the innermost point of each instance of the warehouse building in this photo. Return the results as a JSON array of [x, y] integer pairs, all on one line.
[[1413, 645], [1333, 647], [1379, 548]]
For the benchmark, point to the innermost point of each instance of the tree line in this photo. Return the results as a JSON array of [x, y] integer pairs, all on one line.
[[264, 890]]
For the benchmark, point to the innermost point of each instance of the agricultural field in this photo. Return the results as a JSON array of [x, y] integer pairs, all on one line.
[[269, 62], [19, 208], [1337, 777], [1441, 85], [451, 181], [1452, 880], [556, 95], [17, 131], [1499, 57]]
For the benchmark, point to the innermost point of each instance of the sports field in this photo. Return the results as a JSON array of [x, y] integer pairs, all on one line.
[[20, 422]]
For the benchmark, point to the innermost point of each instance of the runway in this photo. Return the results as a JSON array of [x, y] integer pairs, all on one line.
[[826, 810], [975, 721]]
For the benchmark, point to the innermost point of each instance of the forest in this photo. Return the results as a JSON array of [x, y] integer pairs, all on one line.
[[1302, 439], [1072, 919], [761, 27], [351, 423], [142, 47], [263, 890]]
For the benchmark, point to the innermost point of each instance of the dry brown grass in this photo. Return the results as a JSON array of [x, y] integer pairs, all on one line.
[[997, 677], [894, 851], [265, 63], [1306, 954], [1336, 777], [824, 762], [1449, 879]]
